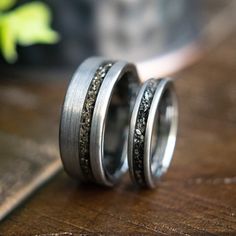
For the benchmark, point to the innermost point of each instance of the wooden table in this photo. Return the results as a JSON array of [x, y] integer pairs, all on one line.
[[198, 194]]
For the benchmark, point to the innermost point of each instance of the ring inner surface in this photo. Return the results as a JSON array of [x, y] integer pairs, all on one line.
[[161, 132], [116, 128]]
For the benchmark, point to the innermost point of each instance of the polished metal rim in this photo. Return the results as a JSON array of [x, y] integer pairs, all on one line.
[[114, 75], [85, 115], [152, 133]]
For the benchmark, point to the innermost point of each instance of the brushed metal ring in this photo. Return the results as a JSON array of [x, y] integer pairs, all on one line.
[[152, 133], [98, 101]]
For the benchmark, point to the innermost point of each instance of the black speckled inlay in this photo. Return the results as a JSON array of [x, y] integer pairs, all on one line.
[[139, 132], [86, 118]]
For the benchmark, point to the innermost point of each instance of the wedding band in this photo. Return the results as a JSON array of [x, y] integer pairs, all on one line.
[[95, 118], [152, 133]]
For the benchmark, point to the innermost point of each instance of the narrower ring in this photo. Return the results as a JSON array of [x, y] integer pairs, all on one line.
[[98, 101], [152, 133]]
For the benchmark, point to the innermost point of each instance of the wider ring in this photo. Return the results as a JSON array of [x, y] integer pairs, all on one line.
[[94, 120], [152, 133]]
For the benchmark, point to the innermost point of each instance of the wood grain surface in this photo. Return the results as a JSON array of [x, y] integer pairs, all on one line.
[[197, 195]]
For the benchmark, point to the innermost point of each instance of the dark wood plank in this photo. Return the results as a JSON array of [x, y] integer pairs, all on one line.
[[29, 153], [198, 194]]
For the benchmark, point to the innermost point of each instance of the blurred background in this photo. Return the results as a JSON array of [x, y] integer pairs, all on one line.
[[160, 36], [43, 42]]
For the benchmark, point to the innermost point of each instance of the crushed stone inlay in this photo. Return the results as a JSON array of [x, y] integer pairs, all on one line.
[[86, 118], [139, 132]]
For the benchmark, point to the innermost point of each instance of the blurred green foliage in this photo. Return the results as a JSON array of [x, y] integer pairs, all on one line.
[[6, 4], [25, 25]]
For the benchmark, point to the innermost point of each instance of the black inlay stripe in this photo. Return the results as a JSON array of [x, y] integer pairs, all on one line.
[[86, 119], [139, 132]]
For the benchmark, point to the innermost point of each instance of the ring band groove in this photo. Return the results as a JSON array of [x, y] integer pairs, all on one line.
[[86, 119], [140, 129]]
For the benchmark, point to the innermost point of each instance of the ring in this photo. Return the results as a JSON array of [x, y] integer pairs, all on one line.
[[95, 118], [152, 133]]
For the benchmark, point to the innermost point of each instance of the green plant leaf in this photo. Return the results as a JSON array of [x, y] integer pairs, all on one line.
[[6, 4], [26, 25]]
